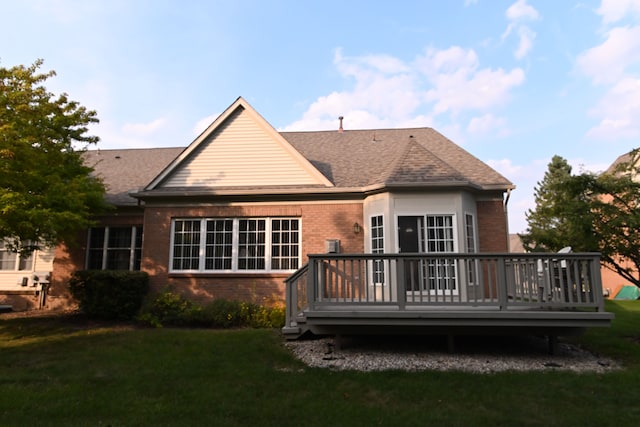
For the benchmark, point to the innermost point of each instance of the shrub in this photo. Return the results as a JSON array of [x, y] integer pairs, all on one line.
[[109, 294], [171, 309]]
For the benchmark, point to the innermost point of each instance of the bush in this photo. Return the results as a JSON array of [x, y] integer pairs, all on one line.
[[171, 309], [109, 294]]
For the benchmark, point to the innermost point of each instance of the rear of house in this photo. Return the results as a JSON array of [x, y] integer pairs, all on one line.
[[239, 210]]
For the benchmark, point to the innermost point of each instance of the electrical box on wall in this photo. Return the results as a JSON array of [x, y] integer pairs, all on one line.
[[332, 246]]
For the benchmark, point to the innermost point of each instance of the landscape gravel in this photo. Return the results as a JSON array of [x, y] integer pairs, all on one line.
[[486, 355]]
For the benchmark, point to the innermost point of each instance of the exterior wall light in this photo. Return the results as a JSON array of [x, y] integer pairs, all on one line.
[[356, 228]]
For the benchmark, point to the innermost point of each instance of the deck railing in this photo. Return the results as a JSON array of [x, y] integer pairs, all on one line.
[[550, 281]]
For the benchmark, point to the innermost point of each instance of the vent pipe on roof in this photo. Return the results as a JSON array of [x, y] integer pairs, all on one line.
[[340, 129]]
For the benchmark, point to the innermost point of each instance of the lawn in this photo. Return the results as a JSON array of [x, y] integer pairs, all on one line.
[[65, 371]]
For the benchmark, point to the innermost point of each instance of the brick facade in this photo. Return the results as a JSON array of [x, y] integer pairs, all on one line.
[[318, 223], [493, 232], [70, 258]]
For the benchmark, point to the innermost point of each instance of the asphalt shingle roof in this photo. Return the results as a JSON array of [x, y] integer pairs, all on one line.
[[358, 158], [128, 170], [351, 159]]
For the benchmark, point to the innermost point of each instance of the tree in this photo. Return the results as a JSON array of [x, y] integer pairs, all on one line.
[[562, 215], [591, 213], [615, 207], [47, 194]]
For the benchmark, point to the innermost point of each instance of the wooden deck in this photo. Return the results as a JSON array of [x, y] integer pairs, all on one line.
[[453, 294]]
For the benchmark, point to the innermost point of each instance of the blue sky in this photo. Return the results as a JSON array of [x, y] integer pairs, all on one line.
[[513, 82]]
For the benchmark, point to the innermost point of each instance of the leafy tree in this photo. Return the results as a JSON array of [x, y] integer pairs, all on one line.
[[562, 216], [591, 213], [615, 207], [46, 192]]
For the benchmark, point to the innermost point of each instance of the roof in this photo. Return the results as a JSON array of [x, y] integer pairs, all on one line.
[[343, 162], [124, 171], [623, 159], [393, 157], [515, 244]]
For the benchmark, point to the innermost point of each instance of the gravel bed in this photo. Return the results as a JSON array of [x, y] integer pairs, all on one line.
[[473, 354]]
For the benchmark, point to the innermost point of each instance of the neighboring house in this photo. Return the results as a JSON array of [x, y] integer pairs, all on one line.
[[244, 207], [24, 279], [612, 282], [515, 244]]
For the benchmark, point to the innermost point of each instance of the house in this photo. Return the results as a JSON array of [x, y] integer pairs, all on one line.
[[613, 282], [244, 208]]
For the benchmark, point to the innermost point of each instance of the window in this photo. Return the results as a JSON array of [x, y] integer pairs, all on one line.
[[12, 261], [115, 248], [441, 272], [377, 247], [238, 244], [284, 244], [431, 234], [219, 247]]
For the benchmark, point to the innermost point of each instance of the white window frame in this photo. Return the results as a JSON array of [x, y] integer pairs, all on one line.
[[236, 247], [136, 231], [20, 263], [424, 247], [377, 240], [471, 246]]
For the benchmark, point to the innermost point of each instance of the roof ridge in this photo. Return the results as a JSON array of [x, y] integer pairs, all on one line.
[[403, 164], [357, 130], [100, 149], [398, 161]]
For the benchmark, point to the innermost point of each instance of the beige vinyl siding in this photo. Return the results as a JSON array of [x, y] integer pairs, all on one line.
[[11, 280], [241, 153]]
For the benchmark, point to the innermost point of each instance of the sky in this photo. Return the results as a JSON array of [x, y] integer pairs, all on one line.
[[513, 82]]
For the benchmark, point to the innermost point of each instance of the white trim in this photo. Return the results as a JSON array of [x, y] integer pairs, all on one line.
[[234, 245]]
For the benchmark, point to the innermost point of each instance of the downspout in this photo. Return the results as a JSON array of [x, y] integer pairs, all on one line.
[[506, 217]]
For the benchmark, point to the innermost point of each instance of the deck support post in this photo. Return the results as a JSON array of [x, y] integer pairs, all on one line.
[[553, 344], [451, 343], [338, 341]]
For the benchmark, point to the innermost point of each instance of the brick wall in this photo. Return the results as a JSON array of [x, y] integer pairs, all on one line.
[[70, 258], [318, 222], [493, 232]]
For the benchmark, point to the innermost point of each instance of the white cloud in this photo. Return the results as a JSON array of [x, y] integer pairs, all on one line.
[[203, 123], [613, 64], [527, 36], [486, 124], [618, 111], [506, 167], [517, 14], [144, 129], [608, 62], [521, 11], [389, 92], [614, 10], [459, 84]]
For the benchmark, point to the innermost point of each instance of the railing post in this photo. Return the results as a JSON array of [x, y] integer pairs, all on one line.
[[501, 283], [401, 283], [312, 280], [596, 282], [292, 301]]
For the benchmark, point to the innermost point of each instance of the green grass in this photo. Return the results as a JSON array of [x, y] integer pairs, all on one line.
[[64, 371]]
